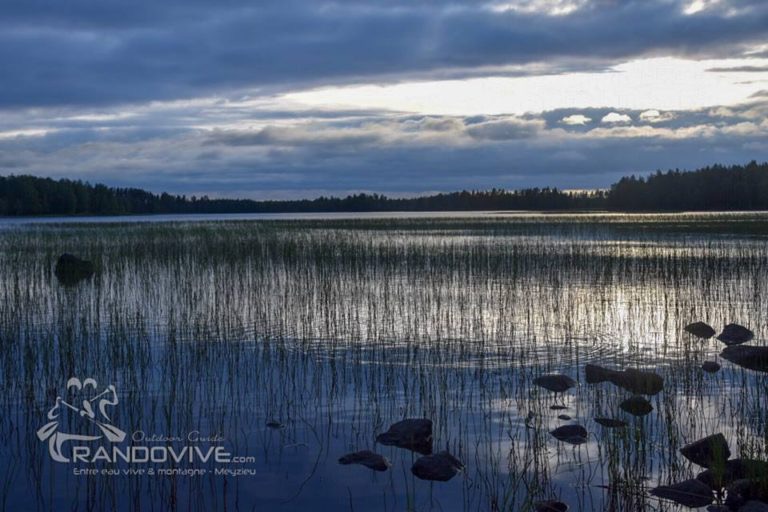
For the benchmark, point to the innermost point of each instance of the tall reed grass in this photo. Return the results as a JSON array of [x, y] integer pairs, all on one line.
[[336, 329]]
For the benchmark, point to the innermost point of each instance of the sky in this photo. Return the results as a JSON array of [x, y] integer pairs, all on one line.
[[299, 98]]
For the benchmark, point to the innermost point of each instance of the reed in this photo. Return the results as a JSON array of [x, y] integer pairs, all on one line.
[[336, 329]]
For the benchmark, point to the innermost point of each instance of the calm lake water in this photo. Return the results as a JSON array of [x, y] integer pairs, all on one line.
[[331, 329]]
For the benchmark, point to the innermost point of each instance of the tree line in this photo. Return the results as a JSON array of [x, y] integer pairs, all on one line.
[[717, 187], [737, 187]]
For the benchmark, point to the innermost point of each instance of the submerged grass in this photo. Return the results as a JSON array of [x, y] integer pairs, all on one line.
[[336, 329]]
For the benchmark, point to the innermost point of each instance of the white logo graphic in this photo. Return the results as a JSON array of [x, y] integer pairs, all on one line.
[[50, 431]]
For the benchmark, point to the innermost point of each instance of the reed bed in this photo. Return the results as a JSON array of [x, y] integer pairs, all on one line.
[[336, 329]]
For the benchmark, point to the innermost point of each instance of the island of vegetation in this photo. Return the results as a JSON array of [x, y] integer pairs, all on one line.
[[717, 187]]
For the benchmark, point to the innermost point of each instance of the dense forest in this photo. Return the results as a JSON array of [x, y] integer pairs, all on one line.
[[711, 188], [738, 187]]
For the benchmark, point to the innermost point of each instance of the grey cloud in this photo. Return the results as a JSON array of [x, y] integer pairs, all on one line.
[[290, 136], [503, 130], [404, 170], [403, 130], [740, 69], [715, 117], [397, 154], [436, 124], [100, 53]]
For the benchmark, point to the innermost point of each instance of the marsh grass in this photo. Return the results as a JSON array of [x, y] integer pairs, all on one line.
[[336, 329]]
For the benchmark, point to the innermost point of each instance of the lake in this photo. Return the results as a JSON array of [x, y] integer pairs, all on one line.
[[227, 363]]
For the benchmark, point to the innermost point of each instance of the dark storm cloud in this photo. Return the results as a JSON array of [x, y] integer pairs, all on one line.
[[106, 52]]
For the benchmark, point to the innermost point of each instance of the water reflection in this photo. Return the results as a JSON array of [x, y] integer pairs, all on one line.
[[332, 331]]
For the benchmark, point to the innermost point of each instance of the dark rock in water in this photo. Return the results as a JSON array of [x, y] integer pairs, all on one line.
[[70, 269], [710, 366], [754, 506], [571, 434], [366, 458], [752, 358], [611, 423], [564, 417], [441, 467], [691, 493], [741, 492], [707, 452], [596, 374], [550, 506], [633, 380], [275, 425], [411, 434], [557, 407], [700, 330], [636, 406], [719, 477], [638, 381], [555, 382], [734, 334]]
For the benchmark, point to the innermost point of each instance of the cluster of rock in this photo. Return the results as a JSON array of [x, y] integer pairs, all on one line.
[[413, 434], [633, 380], [638, 382], [559, 383], [734, 336], [739, 484], [743, 483]]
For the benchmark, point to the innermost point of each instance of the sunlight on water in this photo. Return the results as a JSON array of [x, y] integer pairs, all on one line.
[[331, 330]]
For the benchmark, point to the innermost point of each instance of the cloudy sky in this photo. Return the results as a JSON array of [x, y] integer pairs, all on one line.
[[297, 98]]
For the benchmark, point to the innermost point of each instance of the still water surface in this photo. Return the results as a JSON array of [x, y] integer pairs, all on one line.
[[331, 329]]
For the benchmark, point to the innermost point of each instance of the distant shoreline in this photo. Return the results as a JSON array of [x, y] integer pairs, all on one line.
[[723, 218], [715, 188]]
